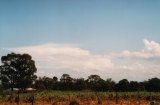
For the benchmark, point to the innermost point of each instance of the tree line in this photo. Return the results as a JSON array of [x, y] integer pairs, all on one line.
[[95, 83], [18, 71]]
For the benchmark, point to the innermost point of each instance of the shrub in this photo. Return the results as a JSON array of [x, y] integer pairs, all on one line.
[[153, 103], [74, 103]]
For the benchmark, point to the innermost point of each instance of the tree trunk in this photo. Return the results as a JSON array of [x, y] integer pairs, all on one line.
[[12, 83], [12, 86], [12, 89]]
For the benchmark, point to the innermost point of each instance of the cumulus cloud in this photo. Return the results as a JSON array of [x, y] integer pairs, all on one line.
[[151, 49], [139, 71], [64, 58], [55, 59]]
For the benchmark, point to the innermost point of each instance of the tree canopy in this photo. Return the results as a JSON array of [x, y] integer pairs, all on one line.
[[17, 70]]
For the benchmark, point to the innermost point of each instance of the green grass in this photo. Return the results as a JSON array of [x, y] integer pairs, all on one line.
[[89, 94]]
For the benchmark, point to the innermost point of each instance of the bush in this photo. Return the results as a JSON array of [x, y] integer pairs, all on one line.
[[153, 103], [74, 103]]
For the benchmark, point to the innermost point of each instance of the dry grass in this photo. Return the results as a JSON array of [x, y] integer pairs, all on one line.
[[81, 102], [82, 98]]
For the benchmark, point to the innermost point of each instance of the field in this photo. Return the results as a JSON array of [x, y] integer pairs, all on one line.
[[81, 98]]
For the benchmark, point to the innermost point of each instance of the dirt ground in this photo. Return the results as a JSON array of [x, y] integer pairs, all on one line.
[[82, 102]]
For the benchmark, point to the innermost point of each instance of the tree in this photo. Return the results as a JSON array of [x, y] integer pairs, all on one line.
[[17, 70], [94, 78], [153, 85], [134, 86], [143, 85], [66, 82], [39, 84], [55, 79], [80, 84], [96, 83], [110, 84], [66, 78], [48, 82], [55, 83], [123, 85]]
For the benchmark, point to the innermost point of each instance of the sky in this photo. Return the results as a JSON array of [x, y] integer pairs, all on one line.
[[112, 38]]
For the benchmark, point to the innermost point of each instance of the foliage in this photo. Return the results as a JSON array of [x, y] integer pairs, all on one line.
[[123, 85], [153, 84], [96, 83], [17, 70]]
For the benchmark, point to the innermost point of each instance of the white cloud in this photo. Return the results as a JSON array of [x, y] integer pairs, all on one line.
[[138, 71], [56, 59], [151, 49], [64, 58]]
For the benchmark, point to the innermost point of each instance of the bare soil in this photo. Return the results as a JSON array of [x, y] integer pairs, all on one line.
[[81, 102]]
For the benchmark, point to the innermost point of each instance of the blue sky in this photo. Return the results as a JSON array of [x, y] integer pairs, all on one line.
[[98, 26]]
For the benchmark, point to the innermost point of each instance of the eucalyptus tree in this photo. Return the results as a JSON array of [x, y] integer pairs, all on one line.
[[17, 70]]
